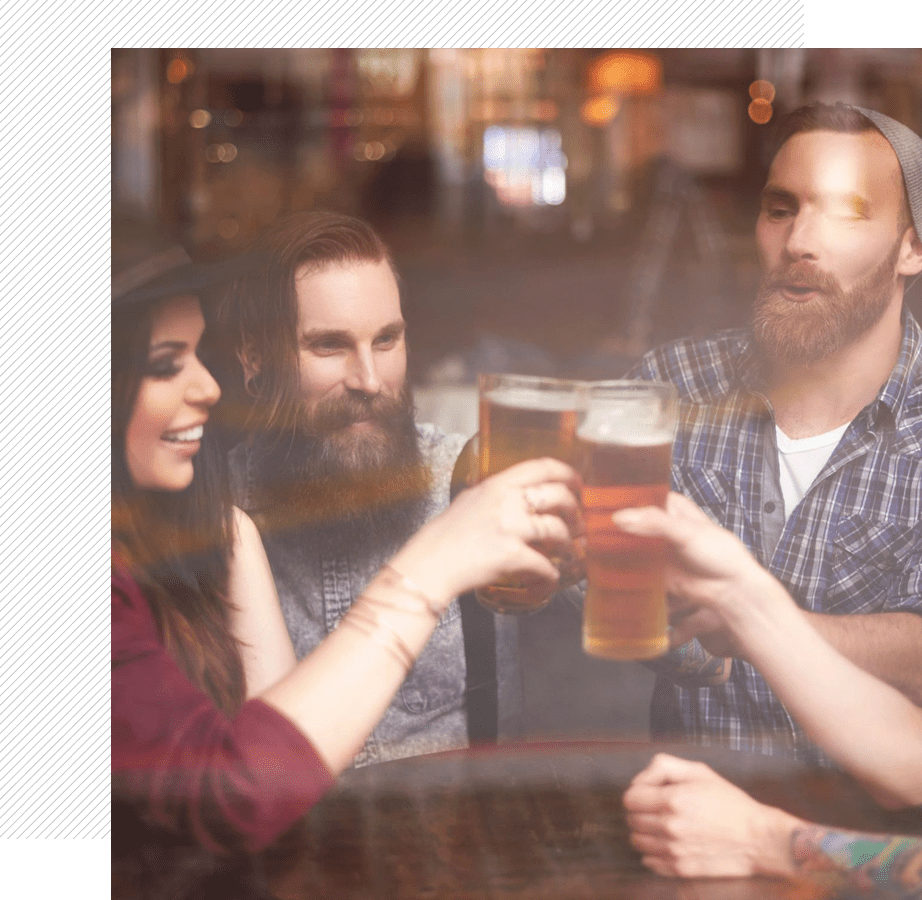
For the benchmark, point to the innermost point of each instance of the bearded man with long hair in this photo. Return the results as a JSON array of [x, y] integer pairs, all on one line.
[[336, 472]]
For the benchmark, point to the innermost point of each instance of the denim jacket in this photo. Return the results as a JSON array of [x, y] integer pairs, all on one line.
[[317, 581]]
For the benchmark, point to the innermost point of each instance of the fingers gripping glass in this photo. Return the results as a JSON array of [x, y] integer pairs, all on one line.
[[524, 417]]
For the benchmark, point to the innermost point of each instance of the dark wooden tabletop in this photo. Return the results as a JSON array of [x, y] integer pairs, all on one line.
[[531, 821]]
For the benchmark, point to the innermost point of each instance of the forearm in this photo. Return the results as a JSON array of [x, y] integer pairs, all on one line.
[[797, 849], [888, 645], [256, 616], [865, 860], [851, 714], [338, 693]]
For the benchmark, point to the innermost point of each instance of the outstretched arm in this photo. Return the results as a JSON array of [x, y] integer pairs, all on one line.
[[888, 645], [867, 726], [337, 693]]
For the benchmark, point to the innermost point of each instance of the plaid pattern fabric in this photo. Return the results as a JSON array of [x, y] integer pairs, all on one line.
[[853, 545]]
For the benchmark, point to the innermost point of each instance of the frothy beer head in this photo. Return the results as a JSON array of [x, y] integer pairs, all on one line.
[[631, 424], [518, 397]]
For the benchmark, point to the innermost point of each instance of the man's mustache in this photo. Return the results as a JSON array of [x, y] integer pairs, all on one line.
[[336, 413], [804, 274]]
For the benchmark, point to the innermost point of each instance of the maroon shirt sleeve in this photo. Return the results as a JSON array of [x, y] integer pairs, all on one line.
[[229, 783]]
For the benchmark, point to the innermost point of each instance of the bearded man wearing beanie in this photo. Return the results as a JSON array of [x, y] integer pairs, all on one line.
[[802, 434]]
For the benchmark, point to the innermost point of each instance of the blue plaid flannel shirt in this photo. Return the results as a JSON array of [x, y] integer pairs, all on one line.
[[853, 545]]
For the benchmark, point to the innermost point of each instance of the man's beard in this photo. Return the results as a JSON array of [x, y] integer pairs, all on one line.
[[809, 332], [358, 481]]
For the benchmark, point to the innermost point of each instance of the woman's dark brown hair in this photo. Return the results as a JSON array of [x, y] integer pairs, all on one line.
[[176, 545]]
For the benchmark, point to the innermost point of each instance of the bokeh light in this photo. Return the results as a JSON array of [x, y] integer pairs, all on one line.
[[228, 228], [374, 150], [762, 90], [626, 73], [178, 70], [225, 153], [599, 110], [200, 118], [760, 111]]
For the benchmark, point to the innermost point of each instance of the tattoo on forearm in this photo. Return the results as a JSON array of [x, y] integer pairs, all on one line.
[[692, 664], [867, 860]]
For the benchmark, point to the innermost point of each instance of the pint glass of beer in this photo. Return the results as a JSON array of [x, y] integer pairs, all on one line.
[[524, 417], [624, 453]]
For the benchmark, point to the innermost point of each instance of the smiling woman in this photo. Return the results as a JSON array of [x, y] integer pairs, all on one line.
[[166, 425], [220, 741]]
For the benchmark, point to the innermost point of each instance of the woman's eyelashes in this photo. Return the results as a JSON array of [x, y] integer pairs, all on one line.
[[163, 367]]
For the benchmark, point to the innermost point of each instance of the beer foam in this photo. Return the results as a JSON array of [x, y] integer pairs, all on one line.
[[530, 398], [630, 424]]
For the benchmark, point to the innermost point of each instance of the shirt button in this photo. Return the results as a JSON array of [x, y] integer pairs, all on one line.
[[769, 507]]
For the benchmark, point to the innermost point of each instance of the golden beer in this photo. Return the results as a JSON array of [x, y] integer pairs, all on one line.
[[624, 459], [521, 418]]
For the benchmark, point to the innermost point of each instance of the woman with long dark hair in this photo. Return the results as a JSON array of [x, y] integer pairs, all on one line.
[[218, 736]]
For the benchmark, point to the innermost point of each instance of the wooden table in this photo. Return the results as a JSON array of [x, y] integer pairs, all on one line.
[[535, 821]]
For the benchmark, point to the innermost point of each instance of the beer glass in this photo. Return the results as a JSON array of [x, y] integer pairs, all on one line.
[[624, 453], [524, 417]]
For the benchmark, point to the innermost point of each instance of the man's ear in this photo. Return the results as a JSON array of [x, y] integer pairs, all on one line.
[[910, 258], [251, 362]]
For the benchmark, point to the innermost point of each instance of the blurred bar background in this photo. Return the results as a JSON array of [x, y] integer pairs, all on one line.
[[551, 211]]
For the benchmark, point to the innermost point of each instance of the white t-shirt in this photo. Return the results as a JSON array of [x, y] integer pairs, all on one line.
[[800, 462]]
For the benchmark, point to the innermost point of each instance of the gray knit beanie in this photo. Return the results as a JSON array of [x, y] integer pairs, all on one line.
[[907, 146]]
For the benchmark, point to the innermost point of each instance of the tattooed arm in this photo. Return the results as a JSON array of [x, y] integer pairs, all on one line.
[[866, 860], [689, 822], [691, 665]]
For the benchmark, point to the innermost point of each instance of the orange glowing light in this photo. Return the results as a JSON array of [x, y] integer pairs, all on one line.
[[626, 73], [177, 71], [760, 111], [762, 90], [599, 111]]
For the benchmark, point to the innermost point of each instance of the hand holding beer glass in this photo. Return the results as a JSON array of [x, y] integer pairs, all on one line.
[[624, 454], [524, 417]]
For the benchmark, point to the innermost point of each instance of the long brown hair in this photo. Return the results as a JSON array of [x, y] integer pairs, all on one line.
[[176, 545]]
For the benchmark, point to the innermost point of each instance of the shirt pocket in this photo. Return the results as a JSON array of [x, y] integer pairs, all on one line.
[[437, 680], [710, 490], [870, 559]]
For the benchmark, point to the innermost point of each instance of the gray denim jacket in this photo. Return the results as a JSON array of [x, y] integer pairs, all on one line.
[[317, 582]]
